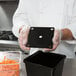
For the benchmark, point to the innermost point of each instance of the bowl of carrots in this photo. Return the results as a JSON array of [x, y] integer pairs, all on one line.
[[10, 63]]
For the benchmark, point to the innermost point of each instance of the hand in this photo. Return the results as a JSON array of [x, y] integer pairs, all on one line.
[[23, 38], [56, 41]]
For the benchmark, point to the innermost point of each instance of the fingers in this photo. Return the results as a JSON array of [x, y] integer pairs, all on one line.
[[23, 39], [55, 41], [22, 45], [55, 46], [53, 49], [56, 37]]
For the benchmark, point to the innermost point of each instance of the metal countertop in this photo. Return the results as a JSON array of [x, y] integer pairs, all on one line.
[[69, 68]]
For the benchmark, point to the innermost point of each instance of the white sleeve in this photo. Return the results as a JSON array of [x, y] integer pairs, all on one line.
[[72, 24], [20, 17]]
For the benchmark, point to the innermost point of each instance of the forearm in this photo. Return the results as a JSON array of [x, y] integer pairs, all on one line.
[[67, 34]]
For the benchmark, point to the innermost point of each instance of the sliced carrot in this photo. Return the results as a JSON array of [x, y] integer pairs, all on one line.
[[9, 70]]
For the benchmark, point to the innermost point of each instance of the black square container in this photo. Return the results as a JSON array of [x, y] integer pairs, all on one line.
[[44, 64], [40, 37]]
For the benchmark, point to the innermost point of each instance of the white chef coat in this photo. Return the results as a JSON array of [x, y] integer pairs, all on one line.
[[48, 13]]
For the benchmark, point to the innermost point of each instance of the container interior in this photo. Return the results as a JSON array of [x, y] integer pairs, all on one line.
[[45, 59]]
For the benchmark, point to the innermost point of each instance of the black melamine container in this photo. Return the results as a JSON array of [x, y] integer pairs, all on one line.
[[44, 64]]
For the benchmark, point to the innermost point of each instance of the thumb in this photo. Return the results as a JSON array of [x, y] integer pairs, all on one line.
[[55, 38]]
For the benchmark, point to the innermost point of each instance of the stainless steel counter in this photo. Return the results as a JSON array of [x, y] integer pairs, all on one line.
[[68, 70]]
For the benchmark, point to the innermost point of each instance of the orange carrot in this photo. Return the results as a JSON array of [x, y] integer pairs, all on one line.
[[9, 70]]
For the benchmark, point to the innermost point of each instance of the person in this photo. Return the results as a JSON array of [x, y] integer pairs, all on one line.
[[60, 14]]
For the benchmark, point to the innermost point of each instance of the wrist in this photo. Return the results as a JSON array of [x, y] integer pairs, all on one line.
[[23, 28], [60, 35], [66, 34]]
